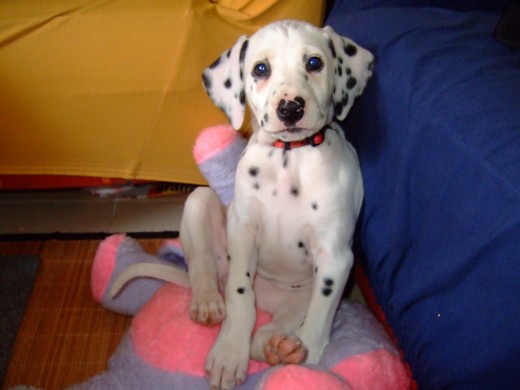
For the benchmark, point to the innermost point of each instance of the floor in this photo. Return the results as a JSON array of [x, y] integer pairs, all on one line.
[[66, 337]]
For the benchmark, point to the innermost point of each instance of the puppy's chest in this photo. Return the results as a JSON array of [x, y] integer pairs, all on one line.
[[285, 191], [286, 195], [284, 181]]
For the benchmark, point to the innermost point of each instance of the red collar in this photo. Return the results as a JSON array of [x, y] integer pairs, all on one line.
[[314, 140]]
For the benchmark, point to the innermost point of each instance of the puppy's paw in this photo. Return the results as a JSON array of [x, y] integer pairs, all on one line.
[[227, 364], [283, 349], [207, 308]]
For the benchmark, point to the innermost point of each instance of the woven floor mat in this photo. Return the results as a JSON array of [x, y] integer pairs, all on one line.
[[65, 336]]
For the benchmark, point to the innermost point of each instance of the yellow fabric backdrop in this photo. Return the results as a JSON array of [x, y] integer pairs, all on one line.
[[113, 88]]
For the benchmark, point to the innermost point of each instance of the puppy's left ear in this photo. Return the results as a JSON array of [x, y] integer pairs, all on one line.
[[224, 82], [353, 67]]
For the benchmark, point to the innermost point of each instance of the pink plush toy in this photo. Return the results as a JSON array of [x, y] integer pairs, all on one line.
[[164, 349]]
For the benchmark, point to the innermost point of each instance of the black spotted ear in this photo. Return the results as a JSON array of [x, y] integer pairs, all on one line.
[[224, 82], [353, 67]]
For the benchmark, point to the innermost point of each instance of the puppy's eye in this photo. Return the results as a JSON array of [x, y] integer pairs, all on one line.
[[314, 64], [261, 70]]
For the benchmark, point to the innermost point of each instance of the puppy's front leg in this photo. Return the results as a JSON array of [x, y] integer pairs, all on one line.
[[228, 361], [331, 273]]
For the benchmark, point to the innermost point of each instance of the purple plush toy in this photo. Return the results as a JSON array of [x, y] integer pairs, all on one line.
[[163, 349]]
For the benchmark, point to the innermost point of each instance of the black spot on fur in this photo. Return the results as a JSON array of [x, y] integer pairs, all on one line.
[[332, 48], [256, 185], [328, 282], [351, 83], [314, 205], [215, 63], [228, 53], [227, 83], [248, 274], [206, 80], [301, 244], [242, 97], [340, 59], [338, 107], [316, 269], [241, 290], [296, 286], [340, 71], [285, 157], [229, 258], [326, 291], [295, 191], [243, 51], [266, 118], [253, 171], [348, 71], [350, 50]]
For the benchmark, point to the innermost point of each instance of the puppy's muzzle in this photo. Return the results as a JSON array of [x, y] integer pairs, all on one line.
[[290, 111]]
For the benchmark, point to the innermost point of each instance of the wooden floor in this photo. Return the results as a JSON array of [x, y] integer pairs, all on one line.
[[65, 337]]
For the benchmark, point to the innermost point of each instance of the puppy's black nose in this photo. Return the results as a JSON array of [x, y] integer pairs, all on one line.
[[290, 112]]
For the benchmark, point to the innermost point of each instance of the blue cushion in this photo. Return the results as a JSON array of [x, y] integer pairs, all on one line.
[[500, 6], [438, 135]]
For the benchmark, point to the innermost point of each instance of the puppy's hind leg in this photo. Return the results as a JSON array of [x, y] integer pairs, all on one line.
[[203, 238]]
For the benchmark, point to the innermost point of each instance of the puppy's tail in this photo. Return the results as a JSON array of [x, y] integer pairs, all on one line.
[[164, 272]]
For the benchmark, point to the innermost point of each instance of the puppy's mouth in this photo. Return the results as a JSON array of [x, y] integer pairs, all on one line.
[[292, 133], [293, 130]]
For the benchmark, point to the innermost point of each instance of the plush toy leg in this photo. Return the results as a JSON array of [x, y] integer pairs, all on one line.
[[217, 151], [171, 251], [115, 254], [291, 377]]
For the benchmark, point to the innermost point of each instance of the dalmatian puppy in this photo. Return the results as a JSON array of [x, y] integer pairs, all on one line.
[[284, 243]]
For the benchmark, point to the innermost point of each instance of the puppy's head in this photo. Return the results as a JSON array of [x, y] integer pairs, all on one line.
[[294, 76]]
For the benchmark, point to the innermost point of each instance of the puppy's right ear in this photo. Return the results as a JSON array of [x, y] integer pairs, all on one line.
[[224, 82]]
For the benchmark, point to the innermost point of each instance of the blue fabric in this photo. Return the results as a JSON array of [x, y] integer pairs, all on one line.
[[438, 135], [500, 6]]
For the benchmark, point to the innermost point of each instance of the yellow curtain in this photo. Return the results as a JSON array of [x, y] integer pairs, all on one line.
[[113, 88]]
